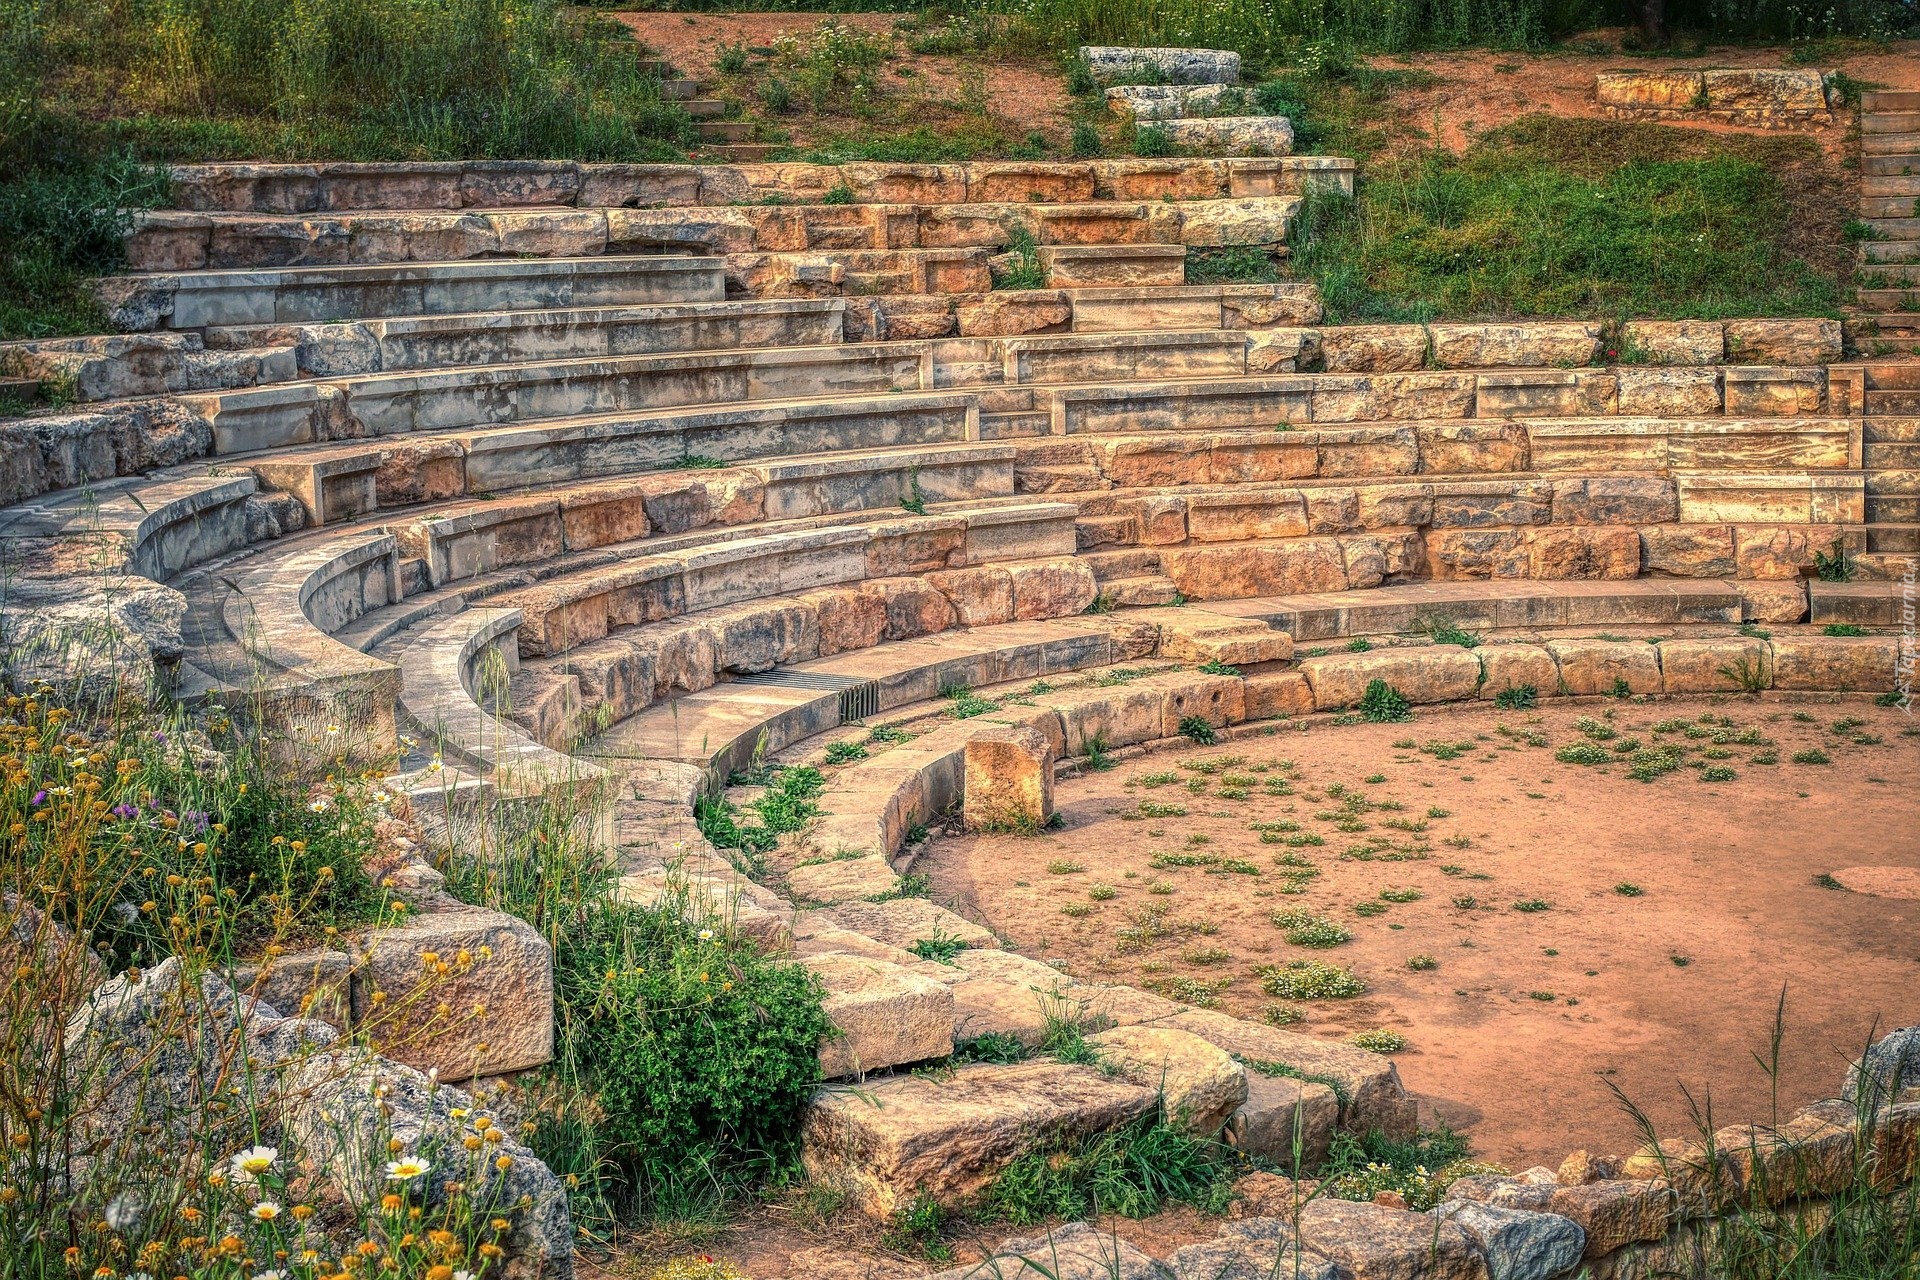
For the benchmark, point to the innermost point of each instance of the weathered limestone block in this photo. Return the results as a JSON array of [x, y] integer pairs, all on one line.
[[1374, 348], [1530, 1189], [1557, 553], [1372, 561], [1008, 313], [1670, 393], [306, 984], [1769, 391], [1256, 568], [1213, 224], [1170, 66], [1650, 90], [1282, 1116], [1260, 306], [1219, 700], [1075, 1251], [1615, 500], [1776, 551], [1277, 350], [1688, 550], [1399, 396], [1786, 342], [1195, 635], [1199, 1085], [843, 879], [1517, 1244], [1275, 695], [1376, 1242], [886, 1015], [1375, 1097], [914, 607], [1514, 666], [1769, 599], [1861, 663], [980, 597], [467, 991], [1765, 90], [948, 1137], [1714, 666], [1675, 342], [1537, 344], [1616, 1213], [1477, 553], [1589, 667], [1009, 780], [1172, 101], [1051, 588], [1423, 673], [849, 618], [1473, 448], [1231, 135]]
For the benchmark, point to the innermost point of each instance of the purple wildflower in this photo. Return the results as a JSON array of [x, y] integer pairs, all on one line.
[[39, 798]]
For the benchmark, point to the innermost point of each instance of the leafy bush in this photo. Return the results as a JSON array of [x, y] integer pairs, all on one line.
[[1197, 729], [1304, 929], [1378, 1041], [1309, 980], [1582, 753], [1419, 1169], [1134, 1171], [1381, 703], [704, 1052]]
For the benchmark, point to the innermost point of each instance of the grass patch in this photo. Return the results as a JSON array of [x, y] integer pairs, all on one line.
[[1134, 1171], [1309, 980]]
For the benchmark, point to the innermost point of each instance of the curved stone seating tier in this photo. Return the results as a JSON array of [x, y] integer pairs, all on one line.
[[320, 295], [336, 187], [173, 240], [153, 528]]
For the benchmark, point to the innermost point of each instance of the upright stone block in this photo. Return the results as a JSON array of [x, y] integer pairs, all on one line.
[[1009, 780]]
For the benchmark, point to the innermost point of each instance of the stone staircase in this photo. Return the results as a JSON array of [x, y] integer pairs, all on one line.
[[1890, 207], [1891, 456]]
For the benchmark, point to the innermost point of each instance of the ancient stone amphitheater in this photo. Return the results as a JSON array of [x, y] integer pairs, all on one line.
[[701, 463]]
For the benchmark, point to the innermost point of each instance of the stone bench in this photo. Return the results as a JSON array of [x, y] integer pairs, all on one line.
[[175, 241], [125, 365], [326, 294], [153, 528], [334, 187]]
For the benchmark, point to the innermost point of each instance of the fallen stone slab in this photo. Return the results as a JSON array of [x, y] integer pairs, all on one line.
[[1200, 1085], [843, 879], [1173, 66], [1236, 135], [890, 1140], [886, 1015], [1378, 1242], [1172, 101], [1289, 1122], [1517, 1244], [1250, 1249], [905, 921], [1076, 1251]]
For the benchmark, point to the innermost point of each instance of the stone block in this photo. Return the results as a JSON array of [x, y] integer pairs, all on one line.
[[1247, 569], [1536, 344], [1514, 666], [1713, 666], [1075, 1251], [1274, 695], [980, 597], [1650, 90], [1009, 780], [1375, 1097], [1255, 1248], [1670, 393], [1593, 667], [947, 1137], [1230, 135], [1767, 91], [1615, 500], [885, 1015], [1783, 342], [843, 879], [902, 922], [1570, 552], [1051, 588], [1842, 663], [1676, 342], [1770, 600], [1199, 1085], [467, 991], [1374, 348], [1615, 1213], [1169, 66], [1378, 1242], [1688, 550], [1282, 1118], [1422, 673], [1517, 1244]]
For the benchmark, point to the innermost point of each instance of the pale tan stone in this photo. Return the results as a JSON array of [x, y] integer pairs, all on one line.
[[1582, 551], [1670, 393], [1651, 90], [885, 1015], [980, 597], [1422, 673], [1589, 667], [1676, 342], [1779, 551], [1375, 1242], [843, 879], [1688, 550], [1256, 568], [1051, 588], [1374, 348], [1199, 1085], [1009, 780], [1514, 666], [1770, 600], [1006, 313], [1534, 344], [1714, 666], [1844, 663], [1616, 1213], [1786, 342]]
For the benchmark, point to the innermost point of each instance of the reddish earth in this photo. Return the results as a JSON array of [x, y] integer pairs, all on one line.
[[1530, 1020]]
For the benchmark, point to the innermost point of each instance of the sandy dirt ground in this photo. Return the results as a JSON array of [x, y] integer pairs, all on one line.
[[1528, 1020], [1476, 91]]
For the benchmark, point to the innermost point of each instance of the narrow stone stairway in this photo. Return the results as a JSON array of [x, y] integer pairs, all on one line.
[[1889, 192]]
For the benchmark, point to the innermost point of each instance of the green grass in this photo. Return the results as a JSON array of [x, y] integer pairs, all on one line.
[[1134, 1171], [1558, 217]]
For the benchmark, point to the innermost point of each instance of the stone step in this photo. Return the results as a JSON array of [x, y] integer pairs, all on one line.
[[1891, 431], [1900, 539], [1907, 185], [1886, 566], [1133, 562], [417, 185], [1893, 329], [704, 108], [1903, 402], [679, 89], [1895, 228], [1891, 455], [19, 390], [725, 131], [741, 152], [1892, 275], [1889, 165], [1892, 483], [324, 294], [1890, 144], [1865, 604], [175, 241], [1890, 251], [1882, 121], [1891, 206], [1898, 300], [1900, 509], [124, 366], [1877, 100], [1140, 590], [1109, 266]]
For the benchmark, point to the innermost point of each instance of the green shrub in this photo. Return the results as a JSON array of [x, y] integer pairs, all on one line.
[[1843, 629], [1309, 980], [1304, 929], [1133, 1171], [1378, 1041], [1197, 729], [1420, 1169], [1582, 753], [704, 1051], [1381, 703], [845, 752]]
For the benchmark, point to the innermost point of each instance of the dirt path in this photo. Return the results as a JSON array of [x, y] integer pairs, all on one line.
[[1527, 1019]]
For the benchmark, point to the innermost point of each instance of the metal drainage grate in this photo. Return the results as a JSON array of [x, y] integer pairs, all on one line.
[[858, 698]]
